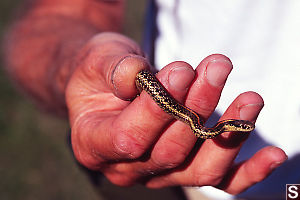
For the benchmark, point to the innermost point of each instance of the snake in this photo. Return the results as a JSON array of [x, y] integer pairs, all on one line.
[[147, 81]]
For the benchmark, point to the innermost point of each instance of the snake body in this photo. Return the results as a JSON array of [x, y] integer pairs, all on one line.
[[145, 80]]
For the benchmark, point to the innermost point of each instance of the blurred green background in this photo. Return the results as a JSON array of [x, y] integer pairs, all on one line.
[[35, 162]]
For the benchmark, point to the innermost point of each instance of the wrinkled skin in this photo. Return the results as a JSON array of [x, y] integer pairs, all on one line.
[[89, 73]]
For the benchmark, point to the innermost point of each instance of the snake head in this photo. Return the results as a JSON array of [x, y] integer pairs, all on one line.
[[233, 125]]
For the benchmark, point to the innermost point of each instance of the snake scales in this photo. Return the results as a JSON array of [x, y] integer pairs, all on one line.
[[145, 80]]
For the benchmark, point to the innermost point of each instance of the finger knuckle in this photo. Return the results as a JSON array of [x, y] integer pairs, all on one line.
[[253, 175], [120, 179], [82, 150], [171, 154], [87, 160], [207, 177], [201, 105], [131, 143], [155, 112]]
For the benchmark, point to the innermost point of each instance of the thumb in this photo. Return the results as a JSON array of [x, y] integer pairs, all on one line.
[[124, 73], [107, 64], [118, 59]]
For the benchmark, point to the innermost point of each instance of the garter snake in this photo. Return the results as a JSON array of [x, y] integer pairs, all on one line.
[[145, 80]]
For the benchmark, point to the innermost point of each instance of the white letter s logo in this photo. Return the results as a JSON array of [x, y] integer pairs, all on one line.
[[293, 194]]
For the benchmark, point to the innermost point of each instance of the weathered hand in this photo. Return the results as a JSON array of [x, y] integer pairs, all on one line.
[[135, 141]]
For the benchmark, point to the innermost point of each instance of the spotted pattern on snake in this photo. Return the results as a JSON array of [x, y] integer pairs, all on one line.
[[145, 80]]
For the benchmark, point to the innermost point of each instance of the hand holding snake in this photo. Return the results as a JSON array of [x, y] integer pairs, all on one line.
[[129, 141], [145, 80]]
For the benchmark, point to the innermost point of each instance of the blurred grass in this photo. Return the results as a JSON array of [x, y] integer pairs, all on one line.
[[35, 162]]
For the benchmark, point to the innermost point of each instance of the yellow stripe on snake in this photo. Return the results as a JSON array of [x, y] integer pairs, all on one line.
[[145, 80]]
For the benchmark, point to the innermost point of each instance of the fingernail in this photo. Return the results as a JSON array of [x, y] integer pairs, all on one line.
[[276, 164], [180, 78], [217, 71], [280, 157], [250, 111]]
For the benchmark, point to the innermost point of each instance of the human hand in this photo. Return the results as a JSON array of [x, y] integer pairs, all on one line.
[[135, 141]]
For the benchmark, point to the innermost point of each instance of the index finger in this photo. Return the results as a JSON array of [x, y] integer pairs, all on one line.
[[140, 124]]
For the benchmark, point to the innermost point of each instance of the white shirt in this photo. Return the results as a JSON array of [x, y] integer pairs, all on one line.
[[262, 39]]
